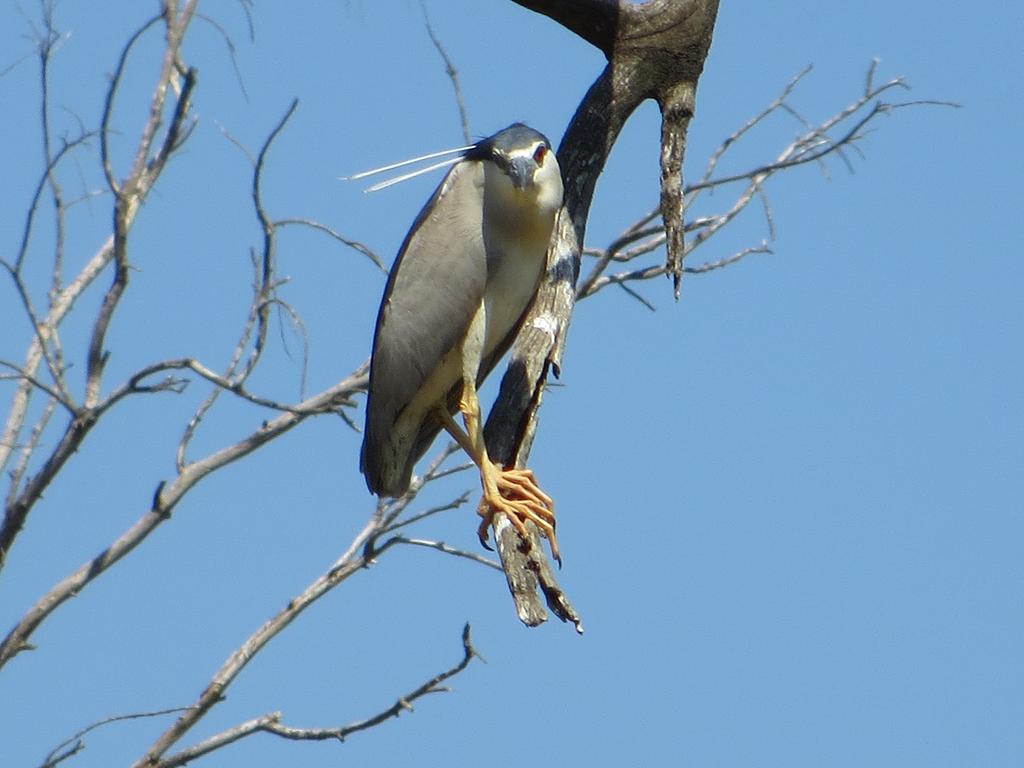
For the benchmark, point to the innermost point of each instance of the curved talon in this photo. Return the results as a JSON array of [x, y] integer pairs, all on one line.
[[481, 532], [517, 495]]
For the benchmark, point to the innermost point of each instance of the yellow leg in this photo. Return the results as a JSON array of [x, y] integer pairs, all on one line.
[[514, 492]]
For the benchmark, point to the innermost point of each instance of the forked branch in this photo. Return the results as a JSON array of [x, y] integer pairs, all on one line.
[[654, 50], [129, 196], [814, 145], [364, 551], [272, 723]]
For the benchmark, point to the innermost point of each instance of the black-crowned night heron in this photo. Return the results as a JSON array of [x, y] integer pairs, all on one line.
[[454, 302]]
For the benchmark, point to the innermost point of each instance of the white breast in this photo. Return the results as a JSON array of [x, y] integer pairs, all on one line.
[[517, 230], [510, 289]]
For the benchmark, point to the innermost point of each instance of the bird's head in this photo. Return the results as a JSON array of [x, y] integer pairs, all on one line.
[[521, 168]]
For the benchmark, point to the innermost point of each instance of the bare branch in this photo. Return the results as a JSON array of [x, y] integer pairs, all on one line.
[[713, 265], [815, 145], [230, 44], [14, 64], [361, 553], [390, 510], [42, 334], [638, 230], [21, 374], [21, 467], [272, 723], [736, 135], [267, 267], [74, 744], [453, 75], [45, 330], [442, 547], [264, 285], [18, 509], [129, 197], [350, 562], [638, 297], [135, 385], [584, 150], [165, 499], [59, 308], [46, 46], [454, 504], [298, 327], [108, 103], [353, 244], [656, 270]]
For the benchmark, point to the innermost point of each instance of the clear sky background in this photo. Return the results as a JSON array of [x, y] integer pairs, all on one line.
[[790, 505]]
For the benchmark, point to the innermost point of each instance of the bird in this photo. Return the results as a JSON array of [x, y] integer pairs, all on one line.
[[454, 302]]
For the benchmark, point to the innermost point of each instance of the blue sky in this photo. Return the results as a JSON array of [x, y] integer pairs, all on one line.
[[790, 505]]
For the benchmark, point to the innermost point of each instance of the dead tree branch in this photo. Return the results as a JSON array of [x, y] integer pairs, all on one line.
[[129, 196], [364, 551], [654, 50], [74, 744], [265, 284], [453, 75], [271, 723], [165, 499], [813, 146]]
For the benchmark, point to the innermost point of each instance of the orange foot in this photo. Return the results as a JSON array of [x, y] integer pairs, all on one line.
[[515, 492]]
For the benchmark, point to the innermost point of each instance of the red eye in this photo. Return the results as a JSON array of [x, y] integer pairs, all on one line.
[[539, 154]]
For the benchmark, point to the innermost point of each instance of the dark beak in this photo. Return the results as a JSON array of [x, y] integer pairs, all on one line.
[[521, 170]]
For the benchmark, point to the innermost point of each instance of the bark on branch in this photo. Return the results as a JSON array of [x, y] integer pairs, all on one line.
[[654, 50]]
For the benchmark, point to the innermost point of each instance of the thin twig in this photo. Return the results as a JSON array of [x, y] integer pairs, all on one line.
[[298, 326], [130, 195], [21, 467], [232, 51], [59, 309], [449, 550], [361, 553], [815, 145], [720, 263], [454, 504], [453, 75], [43, 334], [271, 723], [267, 253], [165, 499], [264, 284], [74, 744], [20, 374], [353, 244], [108, 103]]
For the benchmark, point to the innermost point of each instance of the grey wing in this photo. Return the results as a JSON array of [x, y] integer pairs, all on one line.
[[433, 291]]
